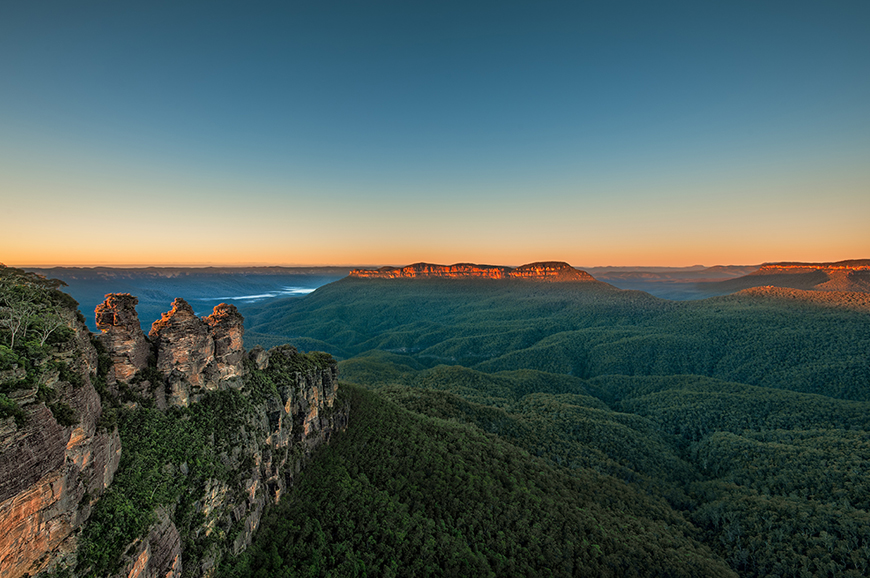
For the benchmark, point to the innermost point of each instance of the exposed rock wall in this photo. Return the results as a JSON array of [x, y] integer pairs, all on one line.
[[159, 554], [122, 335], [282, 429], [550, 271], [54, 469], [543, 271], [194, 356], [792, 267], [197, 355], [840, 277], [51, 473], [227, 328]]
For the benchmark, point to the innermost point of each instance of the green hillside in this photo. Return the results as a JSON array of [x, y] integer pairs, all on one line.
[[581, 329], [745, 417], [402, 494]]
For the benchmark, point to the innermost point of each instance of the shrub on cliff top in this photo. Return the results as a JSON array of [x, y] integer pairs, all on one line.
[[9, 408]]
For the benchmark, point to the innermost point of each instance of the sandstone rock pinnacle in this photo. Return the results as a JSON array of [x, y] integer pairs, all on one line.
[[198, 354], [227, 328], [122, 334]]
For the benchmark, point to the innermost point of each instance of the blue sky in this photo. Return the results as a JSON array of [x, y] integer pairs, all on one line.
[[390, 132]]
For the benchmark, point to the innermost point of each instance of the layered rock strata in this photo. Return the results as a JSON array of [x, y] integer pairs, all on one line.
[[122, 335], [543, 271], [51, 473], [159, 554], [226, 325], [185, 350], [193, 354], [840, 277], [792, 267], [279, 436], [282, 405]]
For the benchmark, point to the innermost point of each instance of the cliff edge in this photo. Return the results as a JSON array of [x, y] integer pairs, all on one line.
[[56, 457], [851, 276], [542, 271], [141, 456]]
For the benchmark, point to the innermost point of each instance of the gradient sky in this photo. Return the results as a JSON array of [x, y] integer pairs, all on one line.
[[598, 133]]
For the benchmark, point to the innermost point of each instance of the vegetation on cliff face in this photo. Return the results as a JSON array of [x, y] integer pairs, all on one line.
[[191, 462], [35, 319], [168, 459], [498, 429], [55, 461], [194, 478]]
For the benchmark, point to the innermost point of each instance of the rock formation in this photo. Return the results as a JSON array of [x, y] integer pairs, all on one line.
[[792, 267], [56, 462], [280, 434], [550, 271], [543, 271], [52, 470], [840, 277], [227, 328], [122, 335], [197, 355], [159, 554]]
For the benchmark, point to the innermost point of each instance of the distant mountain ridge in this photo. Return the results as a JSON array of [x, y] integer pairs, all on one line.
[[850, 276], [849, 264], [87, 273], [540, 271]]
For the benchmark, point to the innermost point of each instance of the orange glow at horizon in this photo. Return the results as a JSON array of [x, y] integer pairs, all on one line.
[[442, 149], [651, 224], [400, 258]]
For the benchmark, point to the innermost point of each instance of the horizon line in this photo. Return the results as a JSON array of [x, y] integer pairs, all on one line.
[[362, 266]]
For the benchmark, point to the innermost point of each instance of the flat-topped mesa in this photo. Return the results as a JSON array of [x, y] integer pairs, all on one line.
[[122, 335], [196, 355], [427, 270], [852, 276], [791, 267], [542, 271], [550, 271]]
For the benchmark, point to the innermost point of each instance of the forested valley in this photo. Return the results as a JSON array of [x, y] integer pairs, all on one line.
[[495, 428], [516, 428]]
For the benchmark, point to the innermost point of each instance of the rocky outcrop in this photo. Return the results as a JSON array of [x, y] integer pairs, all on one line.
[[841, 277], [293, 423], [227, 329], [159, 554], [793, 267], [290, 417], [280, 432], [543, 271], [52, 469], [269, 411], [122, 335], [550, 271], [197, 355]]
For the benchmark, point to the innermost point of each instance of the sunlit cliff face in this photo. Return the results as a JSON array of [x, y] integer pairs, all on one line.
[[857, 265], [544, 271]]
